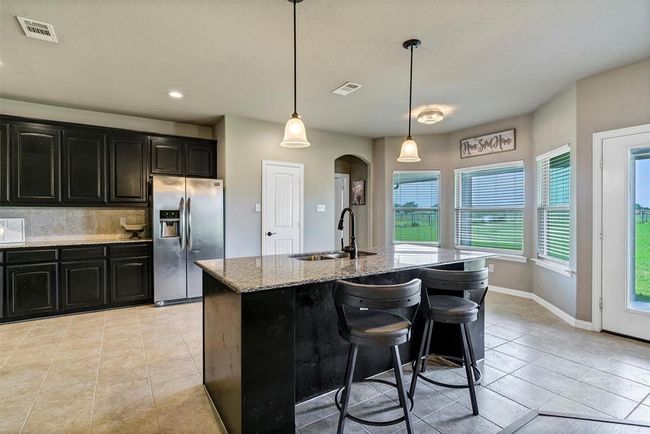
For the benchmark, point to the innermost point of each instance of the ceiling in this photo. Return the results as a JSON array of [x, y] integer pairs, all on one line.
[[480, 60]]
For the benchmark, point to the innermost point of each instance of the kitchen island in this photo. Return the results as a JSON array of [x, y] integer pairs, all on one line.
[[270, 336]]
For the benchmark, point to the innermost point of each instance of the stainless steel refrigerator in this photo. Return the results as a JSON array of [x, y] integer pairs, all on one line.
[[187, 226]]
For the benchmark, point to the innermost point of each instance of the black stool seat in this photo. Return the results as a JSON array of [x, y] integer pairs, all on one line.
[[452, 310], [377, 328]]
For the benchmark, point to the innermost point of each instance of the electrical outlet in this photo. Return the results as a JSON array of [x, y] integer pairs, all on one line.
[[320, 207], [490, 268], [122, 221]]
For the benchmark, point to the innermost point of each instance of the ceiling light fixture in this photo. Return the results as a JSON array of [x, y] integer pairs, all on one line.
[[430, 116], [295, 135], [175, 94], [409, 151]]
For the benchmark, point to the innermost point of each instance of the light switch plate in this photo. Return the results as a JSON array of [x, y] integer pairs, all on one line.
[[320, 207], [258, 207]]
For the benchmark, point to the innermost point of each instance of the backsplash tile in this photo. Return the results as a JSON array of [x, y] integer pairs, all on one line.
[[42, 223]]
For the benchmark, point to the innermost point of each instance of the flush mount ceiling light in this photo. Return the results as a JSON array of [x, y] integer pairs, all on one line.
[[430, 116], [409, 151], [175, 94], [295, 135]]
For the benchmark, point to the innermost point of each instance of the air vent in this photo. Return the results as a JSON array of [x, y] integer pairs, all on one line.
[[38, 30], [346, 89]]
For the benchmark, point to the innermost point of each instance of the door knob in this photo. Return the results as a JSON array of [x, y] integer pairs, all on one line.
[[269, 233]]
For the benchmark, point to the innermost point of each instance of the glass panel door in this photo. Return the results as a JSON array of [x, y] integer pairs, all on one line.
[[639, 290]]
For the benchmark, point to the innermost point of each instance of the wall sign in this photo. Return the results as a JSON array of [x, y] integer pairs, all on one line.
[[488, 144]]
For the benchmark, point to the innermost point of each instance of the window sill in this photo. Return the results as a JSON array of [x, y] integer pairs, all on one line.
[[554, 266], [512, 258]]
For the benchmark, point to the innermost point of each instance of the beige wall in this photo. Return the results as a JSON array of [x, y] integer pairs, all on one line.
[[614, 99], [246, 143], [43, 223], [555, 124], [64, 114], [442, 152]]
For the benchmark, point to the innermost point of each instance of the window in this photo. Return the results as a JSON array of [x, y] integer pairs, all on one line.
[[554, 205], [416, 207], [490, 207]]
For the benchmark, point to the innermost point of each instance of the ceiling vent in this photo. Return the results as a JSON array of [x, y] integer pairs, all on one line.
[[346, 89], [38, 30]]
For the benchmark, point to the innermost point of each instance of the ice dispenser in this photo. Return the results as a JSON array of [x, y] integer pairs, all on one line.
[[170, 223]]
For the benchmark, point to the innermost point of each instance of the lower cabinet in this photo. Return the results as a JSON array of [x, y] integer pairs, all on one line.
[[130, 280], [31, 289], [83, 284]]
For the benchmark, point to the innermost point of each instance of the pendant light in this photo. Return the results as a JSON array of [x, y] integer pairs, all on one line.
[[409, 151], [295, 135]]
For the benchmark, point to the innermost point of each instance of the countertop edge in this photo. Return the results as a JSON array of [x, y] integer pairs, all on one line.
[[69, 243]]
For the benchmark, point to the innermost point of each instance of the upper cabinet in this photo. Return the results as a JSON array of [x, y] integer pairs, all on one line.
[[35, 163], [4, 161], [200, 159], [84, 166], [49, 163], [128, 168], [174, 156], [167, 156]]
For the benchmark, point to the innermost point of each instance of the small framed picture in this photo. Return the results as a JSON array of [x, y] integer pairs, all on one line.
[[358, 192]]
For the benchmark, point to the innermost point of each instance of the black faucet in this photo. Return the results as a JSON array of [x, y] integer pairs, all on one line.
[[352, 248]]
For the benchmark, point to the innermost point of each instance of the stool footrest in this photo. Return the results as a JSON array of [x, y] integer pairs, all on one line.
[[477, 375], [366, 421]]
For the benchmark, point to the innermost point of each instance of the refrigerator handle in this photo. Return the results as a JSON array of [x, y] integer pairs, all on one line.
[[181, 208], [189, 223]]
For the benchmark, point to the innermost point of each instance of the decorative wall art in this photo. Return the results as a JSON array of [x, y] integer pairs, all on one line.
[[493, 143], [358, 191]]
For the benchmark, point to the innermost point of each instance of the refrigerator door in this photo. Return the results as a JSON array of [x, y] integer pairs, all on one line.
[[204, 215], [169, 253]]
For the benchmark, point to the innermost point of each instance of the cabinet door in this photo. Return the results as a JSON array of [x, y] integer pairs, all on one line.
[[83, 284], [35, 163], [128, 168], [83, 166], [31, 289], [200, 160], [4, 161], [129, 279], [166, 156]]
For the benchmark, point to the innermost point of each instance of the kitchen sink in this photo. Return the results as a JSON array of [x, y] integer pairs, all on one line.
[[330, 255]]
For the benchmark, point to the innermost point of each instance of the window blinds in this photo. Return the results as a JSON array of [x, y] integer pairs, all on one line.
[[415, 205], [490, 207], [554, 205]]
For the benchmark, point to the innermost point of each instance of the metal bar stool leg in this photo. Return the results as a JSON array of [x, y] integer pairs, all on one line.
[[428, 349], [469, 370], [472, 357], [420, 356], [349, 374], [397, 364]]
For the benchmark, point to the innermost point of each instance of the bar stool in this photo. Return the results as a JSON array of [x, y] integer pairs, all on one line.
[[451, 309], [371, 315]]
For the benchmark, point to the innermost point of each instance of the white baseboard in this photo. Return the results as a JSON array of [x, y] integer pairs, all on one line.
[[586, 325]]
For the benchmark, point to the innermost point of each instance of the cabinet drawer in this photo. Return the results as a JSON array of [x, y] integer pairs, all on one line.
[[70, 253], [45, 255], [129, 250]]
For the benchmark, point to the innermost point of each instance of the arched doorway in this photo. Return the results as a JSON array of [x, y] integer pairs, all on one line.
[[351, 189]]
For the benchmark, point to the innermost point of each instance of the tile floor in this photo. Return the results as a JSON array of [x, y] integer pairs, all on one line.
[[138, 370]]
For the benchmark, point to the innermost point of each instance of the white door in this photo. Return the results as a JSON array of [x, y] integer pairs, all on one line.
[[625, 249], [282, 196], [341, 201]]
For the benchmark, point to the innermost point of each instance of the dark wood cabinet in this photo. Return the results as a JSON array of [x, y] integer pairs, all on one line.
[[35, 163], [128, 168], [84, 160], [4, 161], [129, 279], [31, 289], [167, 155], [83, 284], [200, 159]]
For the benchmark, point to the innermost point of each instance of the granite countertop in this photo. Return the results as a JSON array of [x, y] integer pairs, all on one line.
[[257, 273], [71, 242]]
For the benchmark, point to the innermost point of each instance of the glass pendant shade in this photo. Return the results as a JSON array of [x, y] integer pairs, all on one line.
[[295, 135], [409, 151]]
